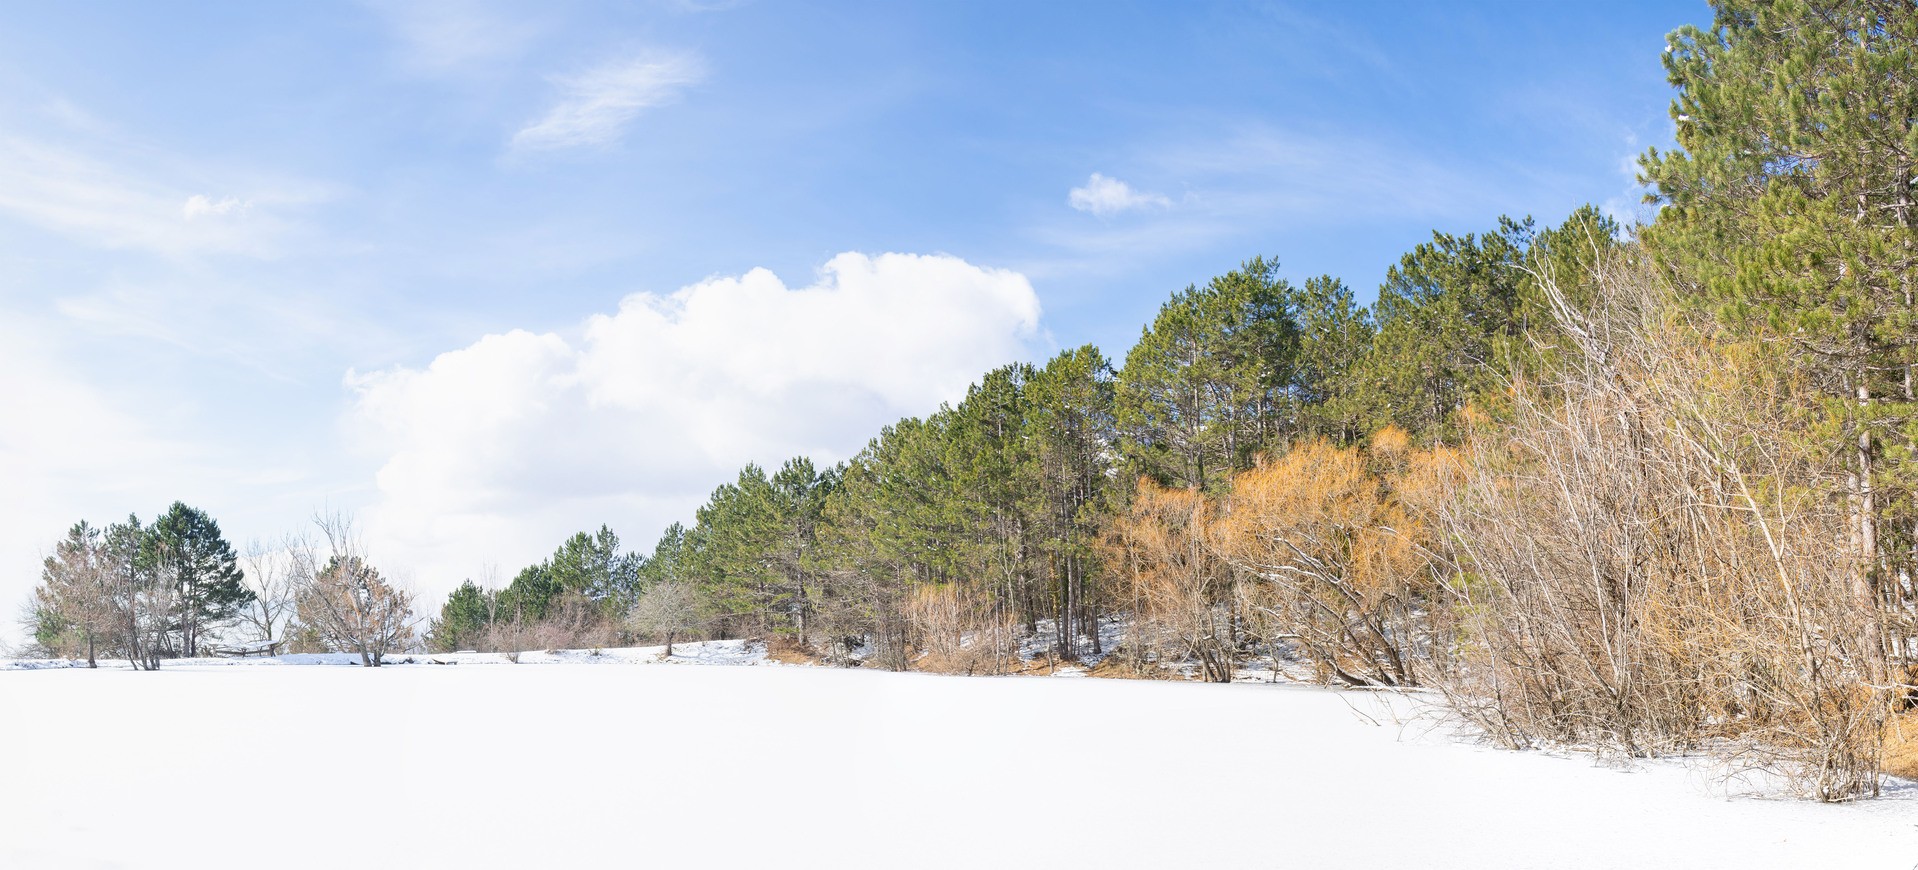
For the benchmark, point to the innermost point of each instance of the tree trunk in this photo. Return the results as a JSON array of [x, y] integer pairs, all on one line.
[[1864, 574]]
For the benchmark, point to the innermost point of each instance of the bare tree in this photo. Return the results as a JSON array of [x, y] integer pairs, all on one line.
[[139, 603], [271, 576], [345, 602], [666, 610]]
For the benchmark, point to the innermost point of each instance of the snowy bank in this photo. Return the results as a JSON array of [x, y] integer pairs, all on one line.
[[242, 766]]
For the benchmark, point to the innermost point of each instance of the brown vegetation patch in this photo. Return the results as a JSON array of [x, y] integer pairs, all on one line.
[[1901, 746], [1043, 666], [970, 661], [1118, 667], [788, 650]]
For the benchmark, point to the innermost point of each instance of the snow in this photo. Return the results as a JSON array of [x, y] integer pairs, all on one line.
[[709, 652], [250, 763]]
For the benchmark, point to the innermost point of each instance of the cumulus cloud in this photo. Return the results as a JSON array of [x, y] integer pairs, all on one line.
[[597, 106], [1103, 196], [496, 451]]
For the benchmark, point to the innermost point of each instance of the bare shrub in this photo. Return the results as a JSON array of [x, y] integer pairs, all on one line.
[[1644, 557], [960, 632], [345, 603], [1180, 589], [572, 622], [666, 611], [1329, 560], [508, 637]]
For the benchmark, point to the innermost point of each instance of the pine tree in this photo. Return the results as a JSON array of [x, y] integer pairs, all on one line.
[[1070, 416], [189, 552], [1335, 334], [463, 619], [1441, 315], [1206, 388], [1788, 213], [733, 541], [992, 472], [1459, 317], [531, 596], [592, 566]]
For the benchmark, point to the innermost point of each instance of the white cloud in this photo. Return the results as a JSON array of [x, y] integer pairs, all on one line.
[[1103, 196], [596, 107], [496, 451], [200, 205]]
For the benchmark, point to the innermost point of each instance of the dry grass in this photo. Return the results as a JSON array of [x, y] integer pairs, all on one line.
[[1118, 667], [1901, 746], [970, 660]]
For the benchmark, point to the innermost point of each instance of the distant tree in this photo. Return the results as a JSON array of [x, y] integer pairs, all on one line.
[[346, 604], [73, 608], [1462, 315], [732, 551], [270, 577], [531, 595], [988, 504], [880, 536], [799, 493], [463, 619], [592, 566], [189, 552], [666, 610], [668, 561], [144, 603], [1442, 314]]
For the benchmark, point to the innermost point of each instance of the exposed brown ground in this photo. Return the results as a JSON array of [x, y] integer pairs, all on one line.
[[787, 650]]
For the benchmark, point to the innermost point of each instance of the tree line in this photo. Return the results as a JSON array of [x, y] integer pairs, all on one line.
[[151, 592]]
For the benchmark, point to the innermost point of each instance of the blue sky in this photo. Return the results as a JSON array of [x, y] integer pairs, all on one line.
[[485, 274]]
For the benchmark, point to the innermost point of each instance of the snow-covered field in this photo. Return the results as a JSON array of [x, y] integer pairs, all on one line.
[[212, 766]]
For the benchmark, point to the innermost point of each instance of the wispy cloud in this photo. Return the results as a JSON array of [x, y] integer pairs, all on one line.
[[136, 200], [443, 36], [1242, 181], [1106, 196], [596, 107], [1628, 205]]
